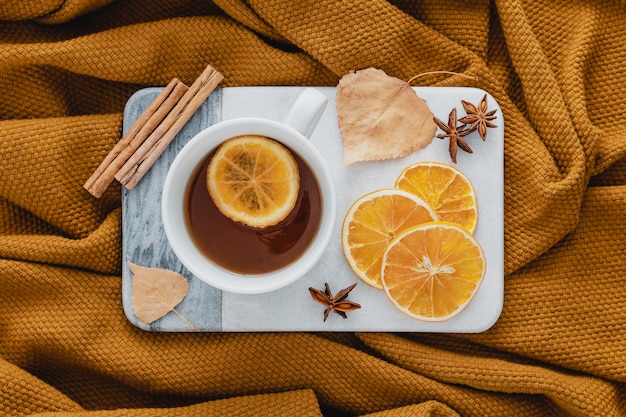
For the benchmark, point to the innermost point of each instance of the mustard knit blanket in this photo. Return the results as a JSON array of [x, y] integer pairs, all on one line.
[[67, 68]]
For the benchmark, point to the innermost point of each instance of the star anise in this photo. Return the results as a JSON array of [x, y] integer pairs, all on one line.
[[478, 117], [337, 302], [455, 133]]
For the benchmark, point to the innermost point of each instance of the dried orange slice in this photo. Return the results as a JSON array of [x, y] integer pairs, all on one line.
[[253, 180], [432, 271], [446, 189], [372, 222]]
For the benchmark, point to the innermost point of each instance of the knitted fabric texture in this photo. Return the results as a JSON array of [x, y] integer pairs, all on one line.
[[67, 68]]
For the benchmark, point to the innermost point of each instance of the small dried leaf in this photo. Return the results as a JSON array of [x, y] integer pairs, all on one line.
[[156, 292], [381, 117]]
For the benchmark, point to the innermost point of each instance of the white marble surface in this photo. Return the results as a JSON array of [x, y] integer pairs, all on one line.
[[291, 308]]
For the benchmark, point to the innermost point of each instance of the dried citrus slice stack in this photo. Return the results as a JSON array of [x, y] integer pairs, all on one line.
[[445, 189], [372, 222], [253, 180], [432, 271]]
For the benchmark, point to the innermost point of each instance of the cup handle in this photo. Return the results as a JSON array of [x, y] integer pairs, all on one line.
[[307, 111]]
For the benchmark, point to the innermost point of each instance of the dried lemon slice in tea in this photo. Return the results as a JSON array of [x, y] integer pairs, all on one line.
[[432, 271], [446, 189], [253, 180], [372, 222]]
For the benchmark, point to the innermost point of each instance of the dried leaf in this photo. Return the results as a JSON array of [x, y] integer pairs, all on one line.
[[381, 117], [156, 292]]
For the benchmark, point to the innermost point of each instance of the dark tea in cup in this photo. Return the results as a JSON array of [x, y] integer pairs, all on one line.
[[247, 250]]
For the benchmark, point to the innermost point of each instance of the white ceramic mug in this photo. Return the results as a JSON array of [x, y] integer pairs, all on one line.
[[293, 133]]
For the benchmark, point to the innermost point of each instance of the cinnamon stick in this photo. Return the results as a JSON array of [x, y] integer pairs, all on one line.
[[154, 145], [139, 131]]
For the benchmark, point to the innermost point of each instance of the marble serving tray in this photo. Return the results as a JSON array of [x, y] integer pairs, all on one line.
[[292, 308]]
